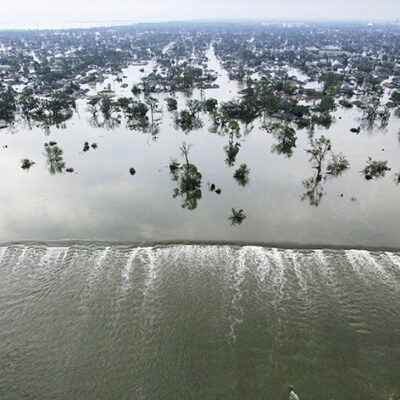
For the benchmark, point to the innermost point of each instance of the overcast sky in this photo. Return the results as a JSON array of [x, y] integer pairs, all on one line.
[[162, 10]]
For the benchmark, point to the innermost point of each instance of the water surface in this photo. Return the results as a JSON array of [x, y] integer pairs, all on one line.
[[198, 322]]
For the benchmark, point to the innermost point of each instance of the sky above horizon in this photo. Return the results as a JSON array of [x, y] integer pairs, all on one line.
[[167, 10]]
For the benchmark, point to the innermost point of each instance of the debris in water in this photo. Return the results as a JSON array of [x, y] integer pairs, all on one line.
[[292, 394]]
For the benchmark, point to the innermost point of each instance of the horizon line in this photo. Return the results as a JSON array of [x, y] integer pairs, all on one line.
[[114, 23]]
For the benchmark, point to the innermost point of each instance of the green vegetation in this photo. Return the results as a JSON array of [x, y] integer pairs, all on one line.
[[260, 57], [345, 103], [370, 115], [237, 217], [135, 90], [242, 175], [172, 104], [395, 97], [187, 121], [375, 169], [232, 128], [188, 180], [337, 165], [287, 138], [54, 157], [27, 164], [8, 105], [210, 105]]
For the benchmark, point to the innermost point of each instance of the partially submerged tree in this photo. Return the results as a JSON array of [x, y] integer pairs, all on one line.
[[286, 141], [397, 178], [237, 217], [375, 169], [188, 180], [370, 115], [187, 121], [8, 105], [27, 164], [384, 115], [54, 157], [231, 150], [242, 175], [135, 90], [195, 106], [172, 104], [319, 149], [337, 165], [232, 128], [154, 107], [210, 105]]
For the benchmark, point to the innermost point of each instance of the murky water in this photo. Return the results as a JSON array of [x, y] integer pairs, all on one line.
[[91, 321], [101, 201]]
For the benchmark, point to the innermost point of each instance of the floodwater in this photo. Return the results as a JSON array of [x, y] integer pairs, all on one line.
[[90, 318], [101, 201], [182, 322]]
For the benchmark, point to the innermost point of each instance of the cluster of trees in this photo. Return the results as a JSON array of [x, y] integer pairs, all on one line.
[[43, 112], [139, 115], [319, 150], [188, 180]]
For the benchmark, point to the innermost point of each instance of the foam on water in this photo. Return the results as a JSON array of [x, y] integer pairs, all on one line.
[[263, 264], [3, 251], [393, 258], [99, 264], [126, 272], [239, 277], [297, 269], [52, 254], [148, 256], [20, 259], [321, 256], [278, 276], [102, 256], [353, 258], [371, 267]]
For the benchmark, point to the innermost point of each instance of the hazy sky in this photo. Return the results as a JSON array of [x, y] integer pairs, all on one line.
[[156, 10]]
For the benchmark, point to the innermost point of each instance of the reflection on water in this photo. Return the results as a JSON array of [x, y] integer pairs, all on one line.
[[55, 162], [338, 164], [100, 200]]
